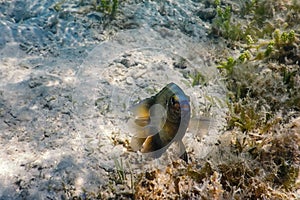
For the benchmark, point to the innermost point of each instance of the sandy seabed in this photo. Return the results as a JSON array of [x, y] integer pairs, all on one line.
[[68, 77]]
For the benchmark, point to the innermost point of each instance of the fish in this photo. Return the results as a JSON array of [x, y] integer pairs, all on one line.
[[161, 120]]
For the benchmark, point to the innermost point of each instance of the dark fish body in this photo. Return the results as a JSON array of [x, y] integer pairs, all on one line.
[[161, 120]]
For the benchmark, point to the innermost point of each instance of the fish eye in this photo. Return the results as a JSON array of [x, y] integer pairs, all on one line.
[[173, 100]]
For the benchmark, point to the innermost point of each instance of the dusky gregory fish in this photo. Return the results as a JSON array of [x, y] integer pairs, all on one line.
[[161, 120]]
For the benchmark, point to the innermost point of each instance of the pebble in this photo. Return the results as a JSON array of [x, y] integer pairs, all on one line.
[[141, 83], [207, 14], [129, 80]]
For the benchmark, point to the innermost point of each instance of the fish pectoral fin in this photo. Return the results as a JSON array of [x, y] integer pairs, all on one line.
[[142, 121], [150, 130], [142, 108], [143, 132]]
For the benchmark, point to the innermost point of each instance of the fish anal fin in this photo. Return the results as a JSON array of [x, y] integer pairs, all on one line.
[[152, 143], [137, 143]]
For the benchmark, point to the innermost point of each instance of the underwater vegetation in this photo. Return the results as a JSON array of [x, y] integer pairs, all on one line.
[[107, 7], [263, 84], [256, 18], [267, 69]]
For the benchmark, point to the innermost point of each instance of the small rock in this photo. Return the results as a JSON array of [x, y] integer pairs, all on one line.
[[207, 14], [20, 11], [130, 80], [141, 83], [96, 16], [34, 82], [128, 63]]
